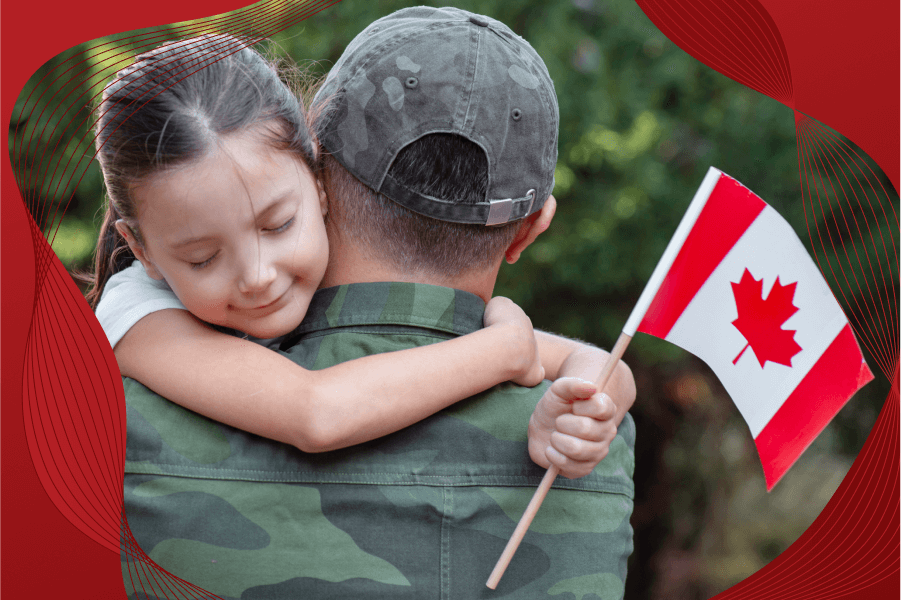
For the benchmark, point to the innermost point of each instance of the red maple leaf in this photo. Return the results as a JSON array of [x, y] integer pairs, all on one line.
[[760, 321]]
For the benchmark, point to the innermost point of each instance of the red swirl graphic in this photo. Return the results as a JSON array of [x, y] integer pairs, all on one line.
[[63, 417], [739, 39]]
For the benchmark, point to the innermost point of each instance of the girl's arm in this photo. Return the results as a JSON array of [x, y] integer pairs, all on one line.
[[245, 385]]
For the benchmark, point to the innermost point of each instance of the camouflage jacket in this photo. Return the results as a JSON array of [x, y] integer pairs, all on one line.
[[421, 513]]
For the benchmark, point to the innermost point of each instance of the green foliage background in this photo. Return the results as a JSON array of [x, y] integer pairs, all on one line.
[[641, 121]]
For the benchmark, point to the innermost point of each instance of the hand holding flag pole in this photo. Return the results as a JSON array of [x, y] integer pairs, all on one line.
[[549, 477], [704, 278]]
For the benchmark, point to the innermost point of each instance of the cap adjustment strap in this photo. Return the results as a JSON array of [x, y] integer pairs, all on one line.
[[491, 212]]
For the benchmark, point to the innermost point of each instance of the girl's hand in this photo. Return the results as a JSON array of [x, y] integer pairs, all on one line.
[[572, 427], [520, 347]]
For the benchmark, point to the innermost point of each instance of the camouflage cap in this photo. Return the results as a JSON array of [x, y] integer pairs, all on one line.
[[444, 70]]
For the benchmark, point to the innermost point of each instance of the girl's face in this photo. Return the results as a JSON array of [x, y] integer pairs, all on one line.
[[238, 235]]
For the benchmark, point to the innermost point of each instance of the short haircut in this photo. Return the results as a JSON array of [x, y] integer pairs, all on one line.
[[440, 165]]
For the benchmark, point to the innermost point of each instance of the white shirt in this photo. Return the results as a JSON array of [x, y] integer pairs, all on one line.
[[129, 296]]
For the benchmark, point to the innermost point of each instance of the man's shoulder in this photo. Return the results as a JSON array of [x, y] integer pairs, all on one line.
[[430, 307]]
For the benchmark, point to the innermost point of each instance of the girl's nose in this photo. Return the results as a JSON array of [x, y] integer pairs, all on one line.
[[256, 277]]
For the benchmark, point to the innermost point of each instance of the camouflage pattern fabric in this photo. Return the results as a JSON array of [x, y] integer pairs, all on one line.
[[422, 513]]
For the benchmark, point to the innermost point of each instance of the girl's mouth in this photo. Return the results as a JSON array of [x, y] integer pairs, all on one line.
[[264, 308]]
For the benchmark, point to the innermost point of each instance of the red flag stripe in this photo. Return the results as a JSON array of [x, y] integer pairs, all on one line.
[[729, 212], [823, 392]]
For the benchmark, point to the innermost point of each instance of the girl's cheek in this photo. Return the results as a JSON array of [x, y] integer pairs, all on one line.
[[211, 296]]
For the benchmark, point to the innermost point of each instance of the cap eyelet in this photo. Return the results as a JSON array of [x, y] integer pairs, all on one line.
[[373, 30], [411, 82], [516, 114]]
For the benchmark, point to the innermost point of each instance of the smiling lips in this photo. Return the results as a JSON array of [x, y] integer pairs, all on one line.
[[264, 307]]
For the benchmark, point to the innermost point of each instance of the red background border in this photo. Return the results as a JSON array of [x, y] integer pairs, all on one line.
[[845, 67]]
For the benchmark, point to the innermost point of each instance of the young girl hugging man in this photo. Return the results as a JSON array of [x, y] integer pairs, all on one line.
[[214, 249]]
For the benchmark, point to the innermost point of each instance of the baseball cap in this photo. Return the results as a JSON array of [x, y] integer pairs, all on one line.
[[444, 70]]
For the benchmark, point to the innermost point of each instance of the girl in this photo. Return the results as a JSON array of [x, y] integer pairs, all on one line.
[[210, 170]]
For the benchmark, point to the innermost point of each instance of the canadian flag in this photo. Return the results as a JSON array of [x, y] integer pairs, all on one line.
[[737, 288]]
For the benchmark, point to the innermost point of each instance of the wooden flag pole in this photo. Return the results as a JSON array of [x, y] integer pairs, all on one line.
[[617, 353]]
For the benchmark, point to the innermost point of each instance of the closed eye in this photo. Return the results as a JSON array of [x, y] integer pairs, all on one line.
[[284, 227], [205, 263]]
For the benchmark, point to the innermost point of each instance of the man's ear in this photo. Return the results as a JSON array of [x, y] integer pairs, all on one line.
[[137, 249], [534, 225]]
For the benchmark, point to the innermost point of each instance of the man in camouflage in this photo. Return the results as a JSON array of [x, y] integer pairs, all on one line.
[[424, 512]]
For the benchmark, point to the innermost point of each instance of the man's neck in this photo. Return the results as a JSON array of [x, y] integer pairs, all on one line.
[[349, 263]]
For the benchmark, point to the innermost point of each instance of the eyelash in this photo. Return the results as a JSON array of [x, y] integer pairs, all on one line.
[[205, 263], [283, 227], [280, 229]]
